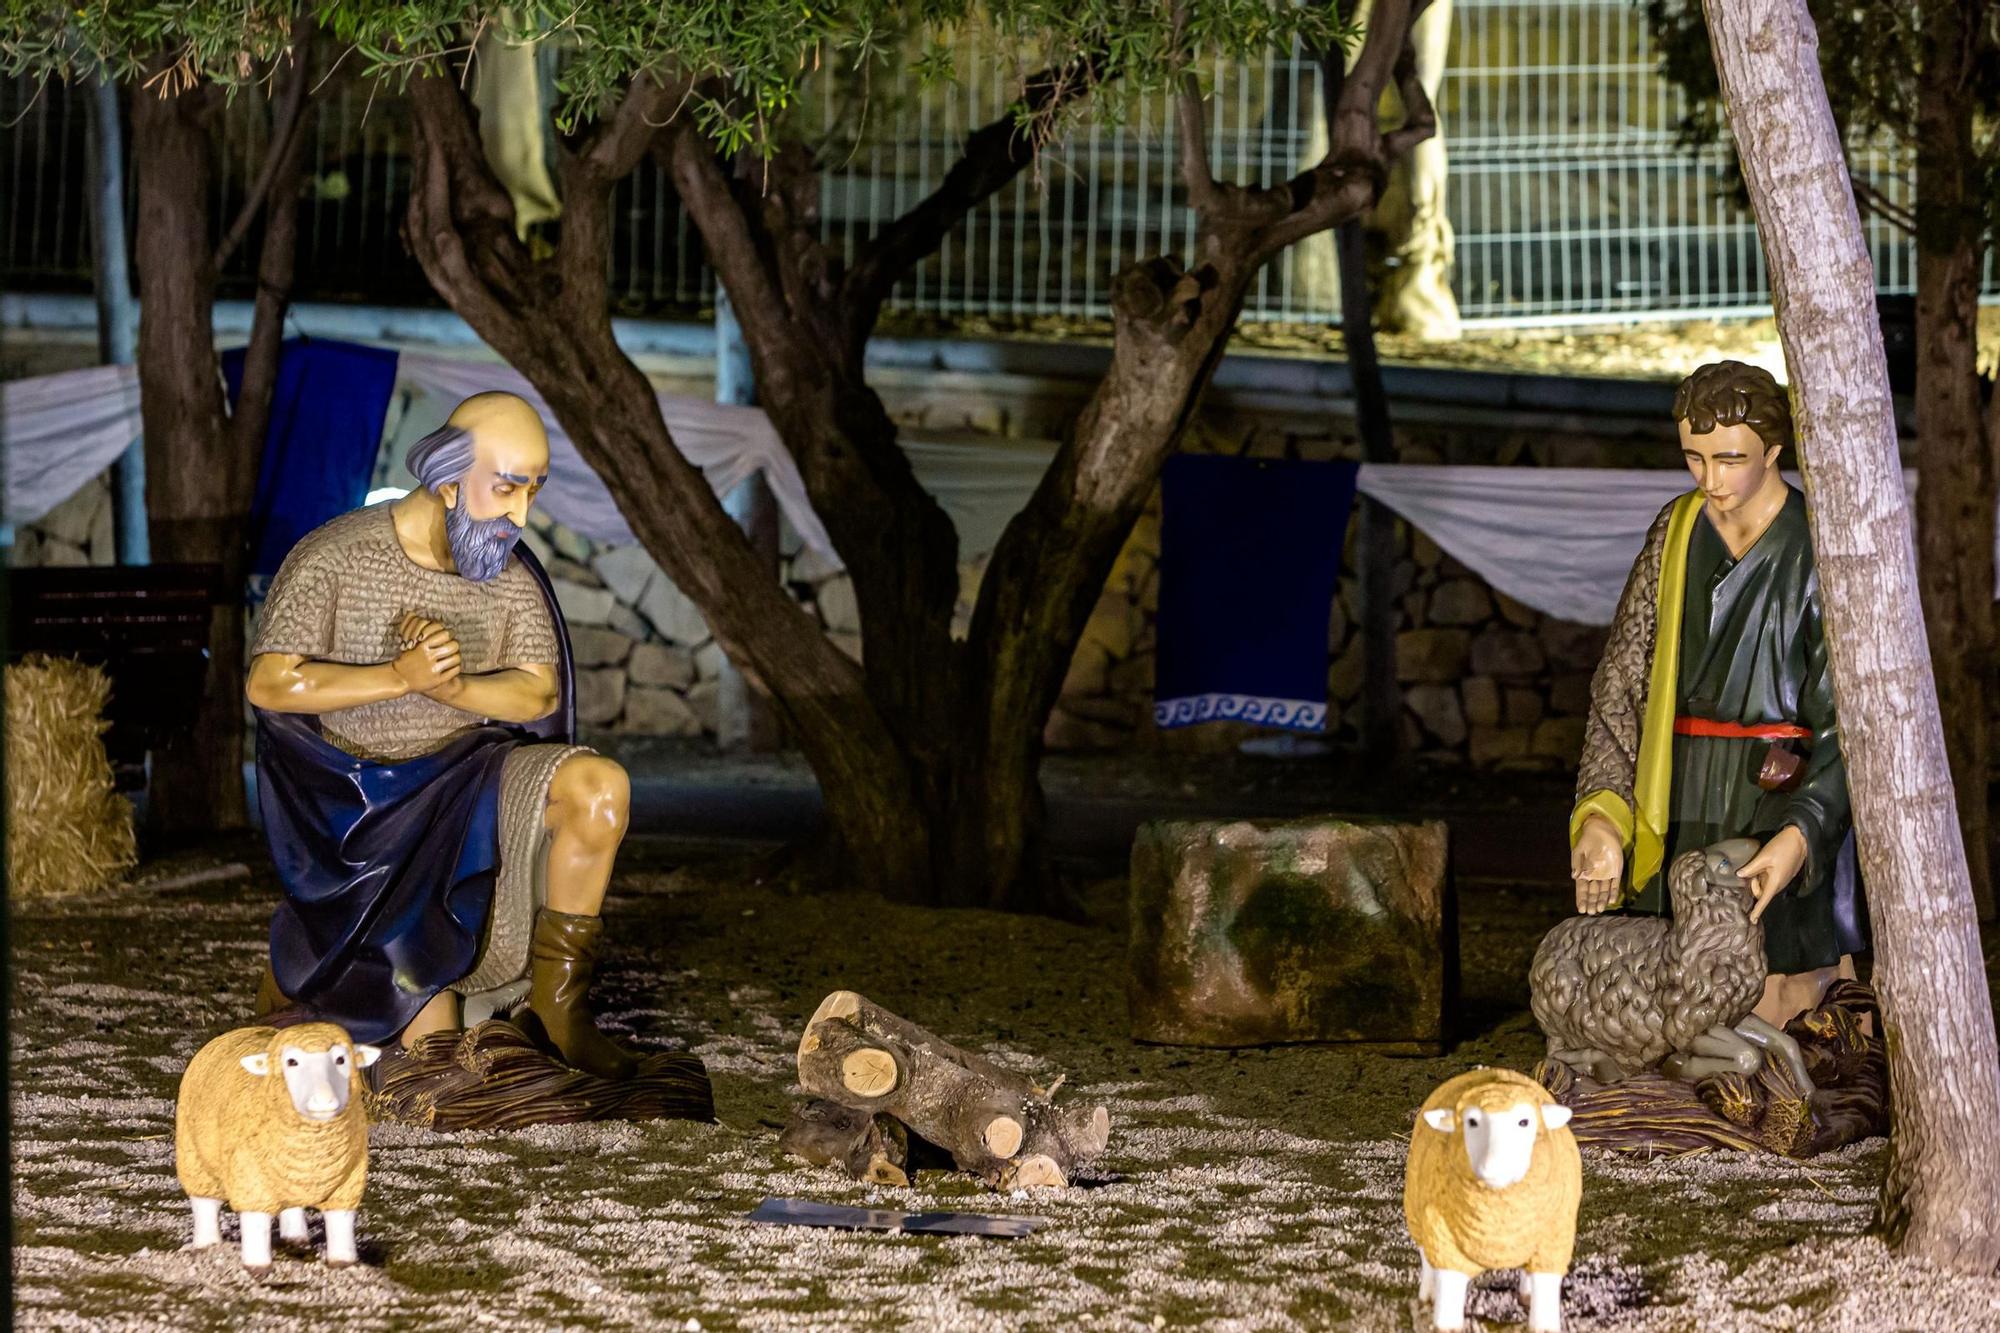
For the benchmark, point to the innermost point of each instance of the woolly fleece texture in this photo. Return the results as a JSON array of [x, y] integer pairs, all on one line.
[[1636, 988], [237, 1137], [1466, 1227]]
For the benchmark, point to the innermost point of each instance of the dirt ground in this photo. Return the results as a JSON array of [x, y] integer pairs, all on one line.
[[1243, 1190]]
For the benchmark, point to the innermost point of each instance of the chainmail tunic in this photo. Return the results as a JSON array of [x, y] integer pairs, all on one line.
[[339, 597]]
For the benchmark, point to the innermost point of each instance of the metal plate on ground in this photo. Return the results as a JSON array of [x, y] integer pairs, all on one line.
[[805, 1213]]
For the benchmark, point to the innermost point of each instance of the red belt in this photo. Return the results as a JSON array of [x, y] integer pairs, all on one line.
[[1763, 731]]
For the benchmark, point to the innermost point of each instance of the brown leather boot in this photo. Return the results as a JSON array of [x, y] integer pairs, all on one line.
[[564, 955]]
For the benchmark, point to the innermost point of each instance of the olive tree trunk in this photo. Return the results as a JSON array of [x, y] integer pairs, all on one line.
[[201, 462], [1944, 1167]]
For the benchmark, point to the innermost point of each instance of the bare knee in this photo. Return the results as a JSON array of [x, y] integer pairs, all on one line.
[[591, 798]]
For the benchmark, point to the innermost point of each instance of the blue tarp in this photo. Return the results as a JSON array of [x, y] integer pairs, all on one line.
[[319, 453], [1249, 557]]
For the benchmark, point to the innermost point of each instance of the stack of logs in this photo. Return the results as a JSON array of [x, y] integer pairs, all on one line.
[[875, 1080]]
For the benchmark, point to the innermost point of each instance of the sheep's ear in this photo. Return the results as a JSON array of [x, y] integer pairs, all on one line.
[[258, 1064], [366, 1055], [1555, 1117], [1440, 1120]]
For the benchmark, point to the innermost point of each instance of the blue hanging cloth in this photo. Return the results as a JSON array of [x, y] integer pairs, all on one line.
[[1249, 557], [327, 410]]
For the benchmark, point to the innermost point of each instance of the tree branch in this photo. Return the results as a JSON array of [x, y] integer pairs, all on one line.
[[1419, 116], [705, 192], [762, 237], [592, 166], [1354, 128], [994, 155], [617, 143], [284, 134], [1358, 154], [779, 197], [454, 196], [1196, 172]]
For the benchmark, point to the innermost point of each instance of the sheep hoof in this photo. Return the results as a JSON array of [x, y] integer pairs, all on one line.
[[341, 1263]]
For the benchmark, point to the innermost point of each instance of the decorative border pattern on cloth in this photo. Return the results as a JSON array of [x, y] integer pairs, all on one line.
[[1291, 714]]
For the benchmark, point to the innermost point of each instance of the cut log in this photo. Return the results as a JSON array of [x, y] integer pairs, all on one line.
[[874, 1148], [1081, 1131], [995, 1123], [920, 1085]]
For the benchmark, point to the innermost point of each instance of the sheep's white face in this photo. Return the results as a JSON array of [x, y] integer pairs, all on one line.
[[317, 1081], [1499, 1142]]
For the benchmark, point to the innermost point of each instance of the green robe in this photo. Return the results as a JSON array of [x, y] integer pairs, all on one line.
[[1752, 651]]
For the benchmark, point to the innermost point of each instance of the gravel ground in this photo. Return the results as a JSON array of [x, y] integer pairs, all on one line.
[[1243, 1190]]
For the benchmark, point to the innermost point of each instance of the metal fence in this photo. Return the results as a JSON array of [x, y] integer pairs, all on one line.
[[1569, 195]]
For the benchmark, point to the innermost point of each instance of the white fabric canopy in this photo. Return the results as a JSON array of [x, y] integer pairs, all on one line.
[[1560, 540], [59, 431], [728, 443], [981, 485]]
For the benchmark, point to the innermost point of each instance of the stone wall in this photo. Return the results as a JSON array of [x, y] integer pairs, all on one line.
[[82, 530], [646, 664]]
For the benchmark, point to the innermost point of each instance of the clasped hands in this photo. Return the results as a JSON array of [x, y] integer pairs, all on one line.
[[1597, 863], [429, 662]]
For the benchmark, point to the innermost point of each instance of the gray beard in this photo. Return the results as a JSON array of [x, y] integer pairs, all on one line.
[[479, 547]]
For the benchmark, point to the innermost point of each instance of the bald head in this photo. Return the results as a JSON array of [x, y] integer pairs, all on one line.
[[502, 420]]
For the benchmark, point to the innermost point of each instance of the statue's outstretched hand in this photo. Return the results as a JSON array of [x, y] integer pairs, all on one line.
[[1596, 863], [1775, 865], [430, 658]]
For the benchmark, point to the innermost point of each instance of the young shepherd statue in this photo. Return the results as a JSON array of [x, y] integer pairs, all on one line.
[[1711, 759], [1711, 714], [440, 842]]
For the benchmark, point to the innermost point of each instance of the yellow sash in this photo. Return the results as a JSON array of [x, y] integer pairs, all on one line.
[[1644, 832]]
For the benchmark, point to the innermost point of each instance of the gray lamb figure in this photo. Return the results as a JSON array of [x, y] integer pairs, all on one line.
[[1616, 995]]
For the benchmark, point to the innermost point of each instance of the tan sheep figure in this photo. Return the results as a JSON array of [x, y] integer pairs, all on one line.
[[270, 1121], [1494, 1180]]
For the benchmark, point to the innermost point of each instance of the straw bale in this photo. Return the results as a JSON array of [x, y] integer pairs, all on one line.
[[67, 830]]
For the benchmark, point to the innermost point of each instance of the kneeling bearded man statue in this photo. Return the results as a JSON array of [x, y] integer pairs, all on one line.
[[437, 848]]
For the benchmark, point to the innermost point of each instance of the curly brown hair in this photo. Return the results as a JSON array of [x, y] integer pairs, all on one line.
[[1731, 393]]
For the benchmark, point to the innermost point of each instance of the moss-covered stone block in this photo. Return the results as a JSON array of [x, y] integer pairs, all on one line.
[[1249, 933]]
